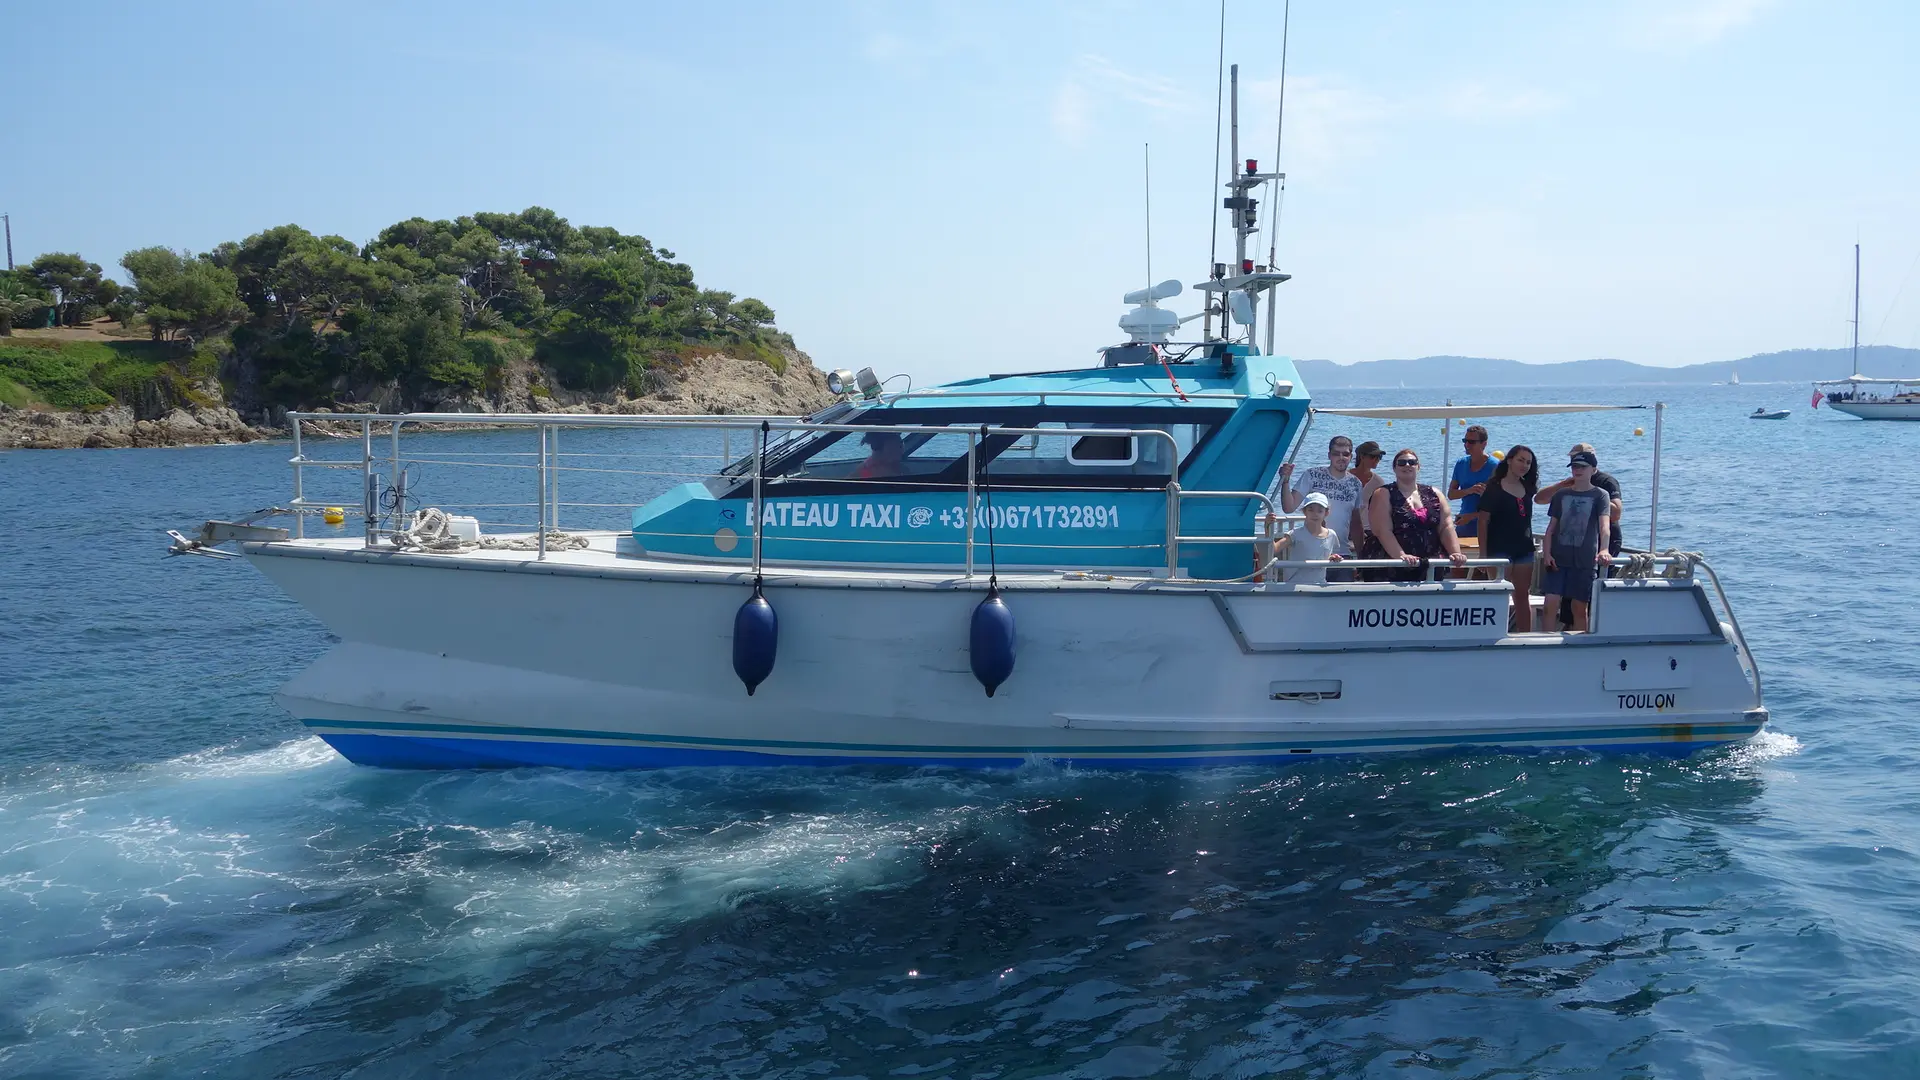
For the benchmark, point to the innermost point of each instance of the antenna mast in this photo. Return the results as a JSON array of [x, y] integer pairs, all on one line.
[[1146, 153], [1856, 309], [9, 220], [1240, 214], [1280, 183], [1213, 222]]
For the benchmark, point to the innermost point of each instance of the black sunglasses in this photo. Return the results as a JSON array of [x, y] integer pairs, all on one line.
[[1472, 441], [1408, 462]]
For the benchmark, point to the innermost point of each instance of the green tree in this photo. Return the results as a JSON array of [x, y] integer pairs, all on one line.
[[287, 275], [413, 338], [183, 298], [75, 283], [751, 313], [21, 301], [536, 233], [486, 268]]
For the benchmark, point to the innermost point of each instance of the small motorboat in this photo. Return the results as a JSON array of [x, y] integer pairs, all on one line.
[[1770, 414]]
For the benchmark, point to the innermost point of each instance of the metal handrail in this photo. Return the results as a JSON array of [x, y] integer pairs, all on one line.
[[1043, 395], [1429, 568], [548, 481], [1739, 639]]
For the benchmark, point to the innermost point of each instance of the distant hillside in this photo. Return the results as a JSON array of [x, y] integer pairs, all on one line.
[[1796, 365]]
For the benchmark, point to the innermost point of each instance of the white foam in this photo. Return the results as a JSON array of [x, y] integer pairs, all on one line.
[[309, 752]]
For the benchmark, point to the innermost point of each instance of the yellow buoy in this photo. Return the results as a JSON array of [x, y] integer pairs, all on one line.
[[333, 515], [1389, 423], [1639, 431], [1497, 455], [1463, 423]]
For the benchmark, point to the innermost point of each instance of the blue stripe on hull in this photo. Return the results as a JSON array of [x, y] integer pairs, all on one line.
[[441, 752]]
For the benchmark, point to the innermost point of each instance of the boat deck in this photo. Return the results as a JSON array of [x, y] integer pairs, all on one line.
[[615, 554]]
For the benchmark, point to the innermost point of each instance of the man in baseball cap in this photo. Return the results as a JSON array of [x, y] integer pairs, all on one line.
[[1576, 542]]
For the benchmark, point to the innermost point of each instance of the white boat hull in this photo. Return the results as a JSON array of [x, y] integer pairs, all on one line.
[[1878, 410], [603, 662]]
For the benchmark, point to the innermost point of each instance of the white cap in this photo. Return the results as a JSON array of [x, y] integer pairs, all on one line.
[[1316, 499]]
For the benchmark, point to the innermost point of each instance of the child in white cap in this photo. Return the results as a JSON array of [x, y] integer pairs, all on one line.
[[1310, 542]]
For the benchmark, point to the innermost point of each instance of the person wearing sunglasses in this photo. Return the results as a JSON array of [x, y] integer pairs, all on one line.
[[1470, 476], [1334, 480], [1469, 483], [1411, 523], [1366, 463]]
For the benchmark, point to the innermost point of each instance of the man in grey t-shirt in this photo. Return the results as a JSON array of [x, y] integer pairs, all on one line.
[[1333, 480], [1576, 540]]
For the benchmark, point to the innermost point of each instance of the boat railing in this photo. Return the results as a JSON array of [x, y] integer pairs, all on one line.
[[385, 502], [1430, 569], [1752, 665], [384, 505]]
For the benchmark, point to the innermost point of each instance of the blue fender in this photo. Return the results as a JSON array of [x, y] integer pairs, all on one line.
[[990, 642], [756, 638]]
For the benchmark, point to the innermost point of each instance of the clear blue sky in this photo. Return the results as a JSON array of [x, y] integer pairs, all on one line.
[[951, 188]]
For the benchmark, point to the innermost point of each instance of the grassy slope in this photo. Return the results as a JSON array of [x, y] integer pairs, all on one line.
[[81, 375]]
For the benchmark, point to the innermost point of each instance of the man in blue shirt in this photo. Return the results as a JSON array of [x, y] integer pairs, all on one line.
[[1470, 476]]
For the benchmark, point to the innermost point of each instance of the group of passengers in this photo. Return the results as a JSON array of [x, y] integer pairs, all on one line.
[[1353, 512]]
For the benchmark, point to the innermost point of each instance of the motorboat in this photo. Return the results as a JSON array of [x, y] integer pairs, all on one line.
[[1769, 414], [1075, 565]]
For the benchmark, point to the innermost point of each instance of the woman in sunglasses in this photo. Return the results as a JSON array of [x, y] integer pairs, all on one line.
[[1411, 522]]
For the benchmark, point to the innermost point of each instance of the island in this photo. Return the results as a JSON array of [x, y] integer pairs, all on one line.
[[489, 313]]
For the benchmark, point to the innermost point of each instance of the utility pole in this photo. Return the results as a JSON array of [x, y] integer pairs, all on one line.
[[8, 218]]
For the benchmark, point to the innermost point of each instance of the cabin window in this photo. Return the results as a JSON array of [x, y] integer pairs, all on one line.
[[1069, 454], [1063, 455], [1103, 450], [844, 456]]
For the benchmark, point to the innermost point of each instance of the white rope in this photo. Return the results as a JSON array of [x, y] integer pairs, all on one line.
[[1641, 564], [432, 530]]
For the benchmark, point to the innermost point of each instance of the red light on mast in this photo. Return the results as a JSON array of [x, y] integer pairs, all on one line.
[[1246, 266], [1252, 166]]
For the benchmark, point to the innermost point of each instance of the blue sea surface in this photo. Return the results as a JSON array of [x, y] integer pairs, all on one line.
[[192, 886]]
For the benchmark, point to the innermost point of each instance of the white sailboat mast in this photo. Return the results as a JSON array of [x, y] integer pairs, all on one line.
[[1856, 309]]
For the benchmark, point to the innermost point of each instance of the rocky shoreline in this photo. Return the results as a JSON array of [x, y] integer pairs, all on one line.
[[716, 384]]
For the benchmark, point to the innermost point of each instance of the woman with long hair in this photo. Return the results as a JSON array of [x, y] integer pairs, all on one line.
[[1412, 522], [1506, 526]]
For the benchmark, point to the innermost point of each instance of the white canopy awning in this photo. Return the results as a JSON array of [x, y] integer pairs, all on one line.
[[1448, 412], [1864, 379]]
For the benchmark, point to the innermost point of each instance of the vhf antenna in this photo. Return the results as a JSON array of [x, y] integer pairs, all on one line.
[[1280, 183], [1146, 152]]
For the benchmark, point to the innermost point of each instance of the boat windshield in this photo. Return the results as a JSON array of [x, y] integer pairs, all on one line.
[[911, 458]]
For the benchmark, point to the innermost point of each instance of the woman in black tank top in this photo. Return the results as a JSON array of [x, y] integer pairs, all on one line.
[[1506, 530]]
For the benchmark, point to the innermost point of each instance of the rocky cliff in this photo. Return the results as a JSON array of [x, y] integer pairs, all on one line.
[[713, 383]]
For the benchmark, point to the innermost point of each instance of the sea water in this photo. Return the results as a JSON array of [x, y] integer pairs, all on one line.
[[191, 885]]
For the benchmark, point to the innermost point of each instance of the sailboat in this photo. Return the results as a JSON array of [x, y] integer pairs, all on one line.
[[1867, 398], [1735, 379]]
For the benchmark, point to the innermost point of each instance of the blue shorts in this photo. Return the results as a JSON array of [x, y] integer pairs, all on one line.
[[1519, 560], [1572, 582], [1466, 525]]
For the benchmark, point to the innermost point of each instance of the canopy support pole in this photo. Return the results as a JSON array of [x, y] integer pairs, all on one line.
[[1653, 510]]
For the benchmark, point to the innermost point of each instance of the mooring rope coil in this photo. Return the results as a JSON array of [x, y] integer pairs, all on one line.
[[1641, 564], [432, 530]]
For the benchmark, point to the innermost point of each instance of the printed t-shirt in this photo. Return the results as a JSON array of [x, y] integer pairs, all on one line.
[[1576, 537], [1343, 496]]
